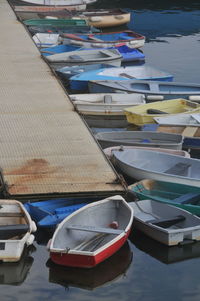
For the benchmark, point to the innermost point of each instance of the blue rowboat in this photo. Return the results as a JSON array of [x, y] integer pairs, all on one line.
[[141, 72], [153, 90], [48, 213], [67, 72], [128, 54]]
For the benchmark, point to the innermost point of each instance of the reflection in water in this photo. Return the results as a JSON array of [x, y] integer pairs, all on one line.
[[150, 19], [15, 273], [90, 279], [163, 253], [149, 4]]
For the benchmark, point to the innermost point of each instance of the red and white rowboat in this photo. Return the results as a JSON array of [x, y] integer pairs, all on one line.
[[92, 234]]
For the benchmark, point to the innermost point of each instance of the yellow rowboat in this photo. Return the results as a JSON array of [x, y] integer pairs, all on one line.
[[146, 113]]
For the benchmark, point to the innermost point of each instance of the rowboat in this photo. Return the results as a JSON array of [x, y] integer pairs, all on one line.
[[16, 229], [190, 119], [109, 150], [146, 113], [68, 71], [74, 242], [46, 39], [145, 164], [107, 272], [55, 22], [139, 138], [28, 10], [105, 110], [104, 40], [99, 18], [49, 213], [57, 26], [165, 223], [153, 90], [191, 133], [60, 29], [128, 54], [56, 2], [179, 195], [83, 57], [121, 73]]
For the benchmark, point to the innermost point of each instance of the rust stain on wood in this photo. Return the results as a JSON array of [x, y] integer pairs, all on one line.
[[34, 170]]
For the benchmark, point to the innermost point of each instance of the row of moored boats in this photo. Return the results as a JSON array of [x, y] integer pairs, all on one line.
[[163, 199]]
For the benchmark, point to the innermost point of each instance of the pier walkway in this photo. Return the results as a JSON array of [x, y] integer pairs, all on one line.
[[45, 147]]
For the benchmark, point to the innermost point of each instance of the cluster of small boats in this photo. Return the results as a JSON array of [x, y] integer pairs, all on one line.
[[163, 200]]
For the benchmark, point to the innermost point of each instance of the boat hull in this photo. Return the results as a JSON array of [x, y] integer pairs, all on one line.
[[92, 234], [88, 261]]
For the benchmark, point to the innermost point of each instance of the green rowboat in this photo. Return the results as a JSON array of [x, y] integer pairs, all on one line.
[[55, 22], [180, 195]]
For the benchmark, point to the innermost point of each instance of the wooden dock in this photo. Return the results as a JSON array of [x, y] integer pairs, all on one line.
[[46, 148]]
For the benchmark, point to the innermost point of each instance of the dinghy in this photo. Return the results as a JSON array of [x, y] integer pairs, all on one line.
[[105, 110], [56, 2], [20, 10], [16, 229], [93, 56], [128, 54], [68, 71], [121, 73], [192, 119], [49, 213], [180, 195], [146, 164], [139, 138], [99, 18], [109, 150], [92, 234], [165, 223], [146, 113], [55, 22], [153, 90], [191, 133], [46, 39], [104, 40]]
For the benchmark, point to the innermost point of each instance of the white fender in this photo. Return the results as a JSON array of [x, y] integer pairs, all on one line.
[[33, 227], [95, 19], [119, 17], [194, 98], [154, 97], [30, 240]]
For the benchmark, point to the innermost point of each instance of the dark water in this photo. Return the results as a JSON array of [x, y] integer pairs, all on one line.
[[143, 270]]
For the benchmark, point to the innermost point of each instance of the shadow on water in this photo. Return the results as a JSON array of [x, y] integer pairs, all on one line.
[[163, 253], [15, 273], [89, 279]]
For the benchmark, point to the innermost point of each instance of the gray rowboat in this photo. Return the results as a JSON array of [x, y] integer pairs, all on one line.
[[140, 138], [146, 164], [165, 223]]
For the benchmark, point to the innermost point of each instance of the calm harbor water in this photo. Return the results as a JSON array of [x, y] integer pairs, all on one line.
[[143, 269]]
